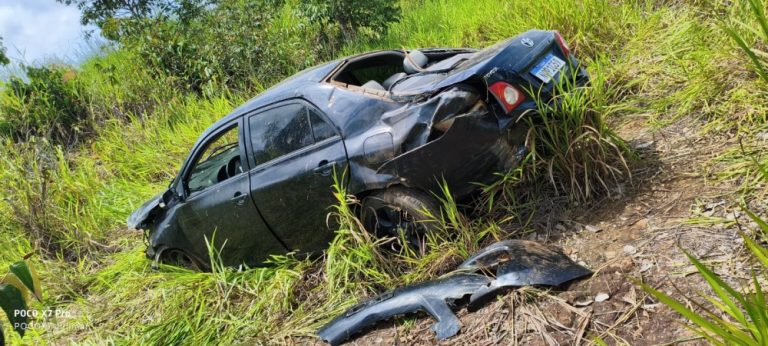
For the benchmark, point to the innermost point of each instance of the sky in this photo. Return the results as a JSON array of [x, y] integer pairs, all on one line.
[[40, 31]]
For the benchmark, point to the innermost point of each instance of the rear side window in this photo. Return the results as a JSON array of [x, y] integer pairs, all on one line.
[[320, 128], [279, 131]]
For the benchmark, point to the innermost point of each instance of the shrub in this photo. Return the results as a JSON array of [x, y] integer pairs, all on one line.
[[342, 21], [236, 44], [50, 104]]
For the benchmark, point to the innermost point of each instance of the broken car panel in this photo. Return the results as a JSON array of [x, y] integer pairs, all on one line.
[[433, 297], [521, 263], [516, 262], [387, 119]]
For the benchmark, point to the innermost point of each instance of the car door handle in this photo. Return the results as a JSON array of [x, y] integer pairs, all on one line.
[[239, 198], [324, 168]]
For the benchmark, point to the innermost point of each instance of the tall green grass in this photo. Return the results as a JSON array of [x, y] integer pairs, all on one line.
[[757, 56], [648, 60], [570, 139]]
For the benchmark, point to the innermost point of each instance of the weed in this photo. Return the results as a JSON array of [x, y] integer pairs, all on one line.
[[736, 317]]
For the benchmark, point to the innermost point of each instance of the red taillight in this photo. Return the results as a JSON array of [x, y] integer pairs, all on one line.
[[562, 44], [507, 95]]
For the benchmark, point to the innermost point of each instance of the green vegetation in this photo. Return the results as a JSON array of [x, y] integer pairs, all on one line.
[[736, 317], [3, 58], [757, 8], [80, 148], [15, 287]]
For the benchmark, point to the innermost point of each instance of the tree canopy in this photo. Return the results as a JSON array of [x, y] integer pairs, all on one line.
[[3, 58], [111, 16]]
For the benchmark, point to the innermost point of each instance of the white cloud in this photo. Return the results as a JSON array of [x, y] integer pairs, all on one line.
[[35, 31]]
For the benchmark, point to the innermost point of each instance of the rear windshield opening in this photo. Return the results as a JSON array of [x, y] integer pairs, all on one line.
[[376, 67], [376, 73]]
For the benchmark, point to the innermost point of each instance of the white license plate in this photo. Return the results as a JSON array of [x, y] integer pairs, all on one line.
[[547, 68]]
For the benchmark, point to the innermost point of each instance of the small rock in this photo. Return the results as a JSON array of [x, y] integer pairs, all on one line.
[[564, 316], [623, 265], [583, 301], [601, 297], [629, 249], [647, 265], [609, 254], [642, 223], [644, 145], [560, 227], [592, 229]]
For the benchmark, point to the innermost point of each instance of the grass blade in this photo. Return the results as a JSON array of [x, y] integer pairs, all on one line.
[[703, 323], [752, 56]]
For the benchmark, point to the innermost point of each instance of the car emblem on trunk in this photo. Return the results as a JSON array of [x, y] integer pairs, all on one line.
[[527, 42]]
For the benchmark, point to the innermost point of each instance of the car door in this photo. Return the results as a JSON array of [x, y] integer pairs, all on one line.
[[295, 150], [218, 206]]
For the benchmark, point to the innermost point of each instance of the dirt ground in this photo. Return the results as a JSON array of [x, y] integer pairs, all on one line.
[[636, 234]]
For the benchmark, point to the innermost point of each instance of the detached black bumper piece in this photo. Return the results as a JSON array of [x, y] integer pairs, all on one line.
[[433, 297], [515, 262], [521, 263]]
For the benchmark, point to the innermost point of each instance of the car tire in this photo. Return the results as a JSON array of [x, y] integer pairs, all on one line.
[[389, 212], [180, 258]]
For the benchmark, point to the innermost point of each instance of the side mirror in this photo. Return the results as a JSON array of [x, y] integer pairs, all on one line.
[[170, 195]]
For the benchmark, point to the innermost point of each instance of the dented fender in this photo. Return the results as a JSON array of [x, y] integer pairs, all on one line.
[[455, 156], [140, 218]]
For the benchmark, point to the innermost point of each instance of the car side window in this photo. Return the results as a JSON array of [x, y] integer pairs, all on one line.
[[218, 161], [321, 129], [279, 131]]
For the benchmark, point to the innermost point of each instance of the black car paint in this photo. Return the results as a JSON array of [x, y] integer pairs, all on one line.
[[434, 297], [521, 263], [280, 206], [516, 263]]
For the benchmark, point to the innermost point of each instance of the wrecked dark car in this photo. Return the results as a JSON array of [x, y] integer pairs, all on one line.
[[394, 124]]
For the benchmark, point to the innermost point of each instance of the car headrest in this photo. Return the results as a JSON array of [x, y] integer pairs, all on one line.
[[392, 79], [372, 84], [414, 61]]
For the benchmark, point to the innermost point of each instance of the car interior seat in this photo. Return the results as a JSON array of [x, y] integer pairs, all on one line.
[[372, 84], [414, 61]]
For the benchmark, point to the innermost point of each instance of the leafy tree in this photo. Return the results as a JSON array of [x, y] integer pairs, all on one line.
[[3, 58], [352, 17], [119, 18]]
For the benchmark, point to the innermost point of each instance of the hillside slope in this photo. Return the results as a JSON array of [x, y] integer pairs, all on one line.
[[666, 78]]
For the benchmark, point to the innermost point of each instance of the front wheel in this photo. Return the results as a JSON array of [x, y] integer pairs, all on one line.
[[179, 258], [402, 213]]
